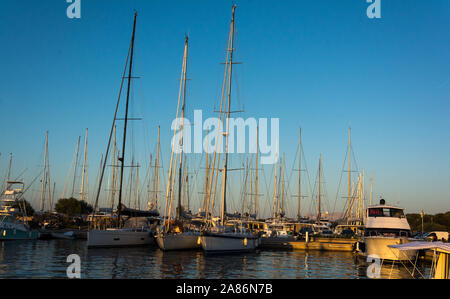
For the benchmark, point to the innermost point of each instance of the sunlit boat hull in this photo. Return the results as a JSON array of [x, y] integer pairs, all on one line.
[[378, 247], [118, 238], [184, 241], [228, 242]]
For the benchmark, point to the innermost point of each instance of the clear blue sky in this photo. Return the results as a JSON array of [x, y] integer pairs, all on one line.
[[322, 65]]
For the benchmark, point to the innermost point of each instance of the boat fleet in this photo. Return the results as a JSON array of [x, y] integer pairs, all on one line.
[[378, 229]]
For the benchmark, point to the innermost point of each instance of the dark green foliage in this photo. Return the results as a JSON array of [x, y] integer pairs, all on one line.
[[72, 206], [438, 222], [29, 211]]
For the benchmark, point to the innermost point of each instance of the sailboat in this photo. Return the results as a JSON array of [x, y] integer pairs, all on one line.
[[176, 235], [133, 232], [226, 236]]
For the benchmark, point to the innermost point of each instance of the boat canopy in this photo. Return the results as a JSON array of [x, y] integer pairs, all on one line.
[[420, 245]]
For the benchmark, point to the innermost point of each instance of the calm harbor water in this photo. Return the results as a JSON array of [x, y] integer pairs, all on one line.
[[47, 259]]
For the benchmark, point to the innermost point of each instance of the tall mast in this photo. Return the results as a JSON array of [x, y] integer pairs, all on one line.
[[122, 159], [187, 189], [84, 166], [349, 166], [256, 174], [320, 182], [299, 172], [172, 167], [48, 183], [205, 200], [274, 208], [363, 195], [249, 171], [156, 181], [225, 166], [114, 171], [44, 174], [282, 189], [53, 197], [137, 202], [76, 164], [180, 175]]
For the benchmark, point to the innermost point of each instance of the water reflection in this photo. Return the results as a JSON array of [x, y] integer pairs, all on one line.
[[47, 259]]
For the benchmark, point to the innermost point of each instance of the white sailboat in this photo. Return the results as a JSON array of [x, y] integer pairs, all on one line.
[[177, 235], [129, 234], [226, 236]]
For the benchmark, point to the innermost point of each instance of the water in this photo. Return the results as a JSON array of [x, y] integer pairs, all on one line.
[[47, 259]]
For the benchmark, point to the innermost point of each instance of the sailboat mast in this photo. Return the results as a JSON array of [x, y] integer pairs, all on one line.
[[299, 172], [256, 174], [320, 183], [114, 171], [282, 189], [84, 166], [173, 164], [274, 209], [44, 174], [349, 166], [76, 165], [180, 175], [225, 166], [156, 180], [122, 159]]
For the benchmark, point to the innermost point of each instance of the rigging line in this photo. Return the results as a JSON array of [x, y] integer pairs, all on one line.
[[268, 197], [111, 132], [340, 181], [308, 177]]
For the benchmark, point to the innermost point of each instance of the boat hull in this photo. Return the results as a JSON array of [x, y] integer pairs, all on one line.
[[178, 241], [378, 246], [15, 234], [228, 243], [118, 238]]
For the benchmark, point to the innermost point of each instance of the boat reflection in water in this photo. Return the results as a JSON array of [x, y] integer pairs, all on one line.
[[47, 259]]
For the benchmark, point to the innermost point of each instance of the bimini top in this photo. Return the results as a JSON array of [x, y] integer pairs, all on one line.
[[421, 245]]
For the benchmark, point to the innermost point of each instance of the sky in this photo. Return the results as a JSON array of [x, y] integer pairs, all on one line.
[[323, 66]]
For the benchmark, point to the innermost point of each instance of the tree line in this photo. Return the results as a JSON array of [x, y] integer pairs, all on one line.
[[436, 222]]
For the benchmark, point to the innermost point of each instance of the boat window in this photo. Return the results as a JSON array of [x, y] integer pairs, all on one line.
[[386, 212], [396, 213], [375, 212]]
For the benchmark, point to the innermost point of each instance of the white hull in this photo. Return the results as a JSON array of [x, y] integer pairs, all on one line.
[[118, 237], [379, 246], [184, 241], [228, 243]]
